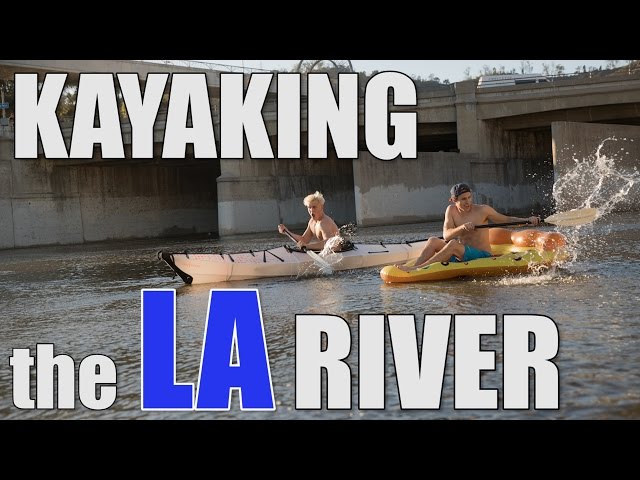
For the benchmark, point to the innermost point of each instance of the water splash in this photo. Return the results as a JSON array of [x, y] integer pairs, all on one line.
[[538, 276], [600, 181], [553, 277], [312, 269], [331, 251], [328, 252], [597, 181], [348, 231]]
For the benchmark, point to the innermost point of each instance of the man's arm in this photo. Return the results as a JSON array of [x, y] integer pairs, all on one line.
[[305, 237], [496, 217], [449, 229]]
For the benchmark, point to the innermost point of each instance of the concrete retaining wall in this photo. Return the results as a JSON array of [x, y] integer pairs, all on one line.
[[405, 191], [46, 202]]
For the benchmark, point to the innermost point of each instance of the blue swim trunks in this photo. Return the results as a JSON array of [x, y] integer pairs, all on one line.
[[470, 253]]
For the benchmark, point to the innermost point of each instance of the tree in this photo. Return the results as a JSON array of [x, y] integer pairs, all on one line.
[[526, 67], [467, 73], [548, 68], [486, 70]]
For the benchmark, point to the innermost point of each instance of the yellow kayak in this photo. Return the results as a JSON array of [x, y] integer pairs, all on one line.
[[506, 259]]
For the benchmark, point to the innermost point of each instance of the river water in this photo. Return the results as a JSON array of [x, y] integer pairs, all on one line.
[[86, 300]]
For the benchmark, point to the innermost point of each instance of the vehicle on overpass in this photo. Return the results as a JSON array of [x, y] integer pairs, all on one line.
[[487, 81]]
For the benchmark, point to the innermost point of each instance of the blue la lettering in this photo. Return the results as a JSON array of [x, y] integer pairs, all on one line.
[[234, 354], [159, 388]]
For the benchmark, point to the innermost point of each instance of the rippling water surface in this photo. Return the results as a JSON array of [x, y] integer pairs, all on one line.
[[86, 300]]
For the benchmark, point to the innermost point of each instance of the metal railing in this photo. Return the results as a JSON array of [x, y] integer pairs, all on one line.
[[208, 65]]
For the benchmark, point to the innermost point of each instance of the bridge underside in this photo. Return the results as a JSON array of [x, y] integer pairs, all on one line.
[[624, 114], [438, 137]]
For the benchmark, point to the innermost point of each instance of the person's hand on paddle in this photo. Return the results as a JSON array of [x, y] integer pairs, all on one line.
[[468, 227], [282, 228], [534, 220]]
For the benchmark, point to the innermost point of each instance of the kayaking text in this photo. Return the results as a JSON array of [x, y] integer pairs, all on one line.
[[183, 114]]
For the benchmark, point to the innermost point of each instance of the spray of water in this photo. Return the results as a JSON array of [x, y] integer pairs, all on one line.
[[543, 276], [599, 181], [348, 231], [331, 250]]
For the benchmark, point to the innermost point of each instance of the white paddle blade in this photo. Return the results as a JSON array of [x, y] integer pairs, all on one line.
[[573, 218], [325, 267]]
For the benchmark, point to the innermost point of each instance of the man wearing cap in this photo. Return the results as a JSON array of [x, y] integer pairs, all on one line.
[[460, 241]]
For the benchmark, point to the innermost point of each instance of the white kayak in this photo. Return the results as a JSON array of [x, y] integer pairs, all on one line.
[[196, 268]]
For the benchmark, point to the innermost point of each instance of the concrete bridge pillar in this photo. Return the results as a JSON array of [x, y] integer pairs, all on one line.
[[467, 121], [6, 211], [257, 195], [247, 196], [406, 190]]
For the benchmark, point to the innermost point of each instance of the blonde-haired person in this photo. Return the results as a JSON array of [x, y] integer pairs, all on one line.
[[321, 226]]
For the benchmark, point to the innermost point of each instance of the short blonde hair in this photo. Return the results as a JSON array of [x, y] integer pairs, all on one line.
[[314, 197]]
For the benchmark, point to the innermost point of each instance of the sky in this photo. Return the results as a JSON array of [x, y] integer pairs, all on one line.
[[453, 70]]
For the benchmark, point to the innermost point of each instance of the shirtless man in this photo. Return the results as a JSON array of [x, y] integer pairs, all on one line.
[[462, 242], [321, 226]]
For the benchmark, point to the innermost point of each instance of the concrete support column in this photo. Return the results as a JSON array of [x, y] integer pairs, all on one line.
[[406, 190], [257, 195], [6, 211], [246, 204], [467, 121]]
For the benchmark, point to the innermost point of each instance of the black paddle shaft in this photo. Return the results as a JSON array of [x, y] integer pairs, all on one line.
[[508, 224], [304, 249]]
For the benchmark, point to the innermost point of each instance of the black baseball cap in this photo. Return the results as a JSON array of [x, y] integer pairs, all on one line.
[[459, 188]]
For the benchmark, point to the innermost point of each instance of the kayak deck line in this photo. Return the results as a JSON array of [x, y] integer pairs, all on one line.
[[196, 268]]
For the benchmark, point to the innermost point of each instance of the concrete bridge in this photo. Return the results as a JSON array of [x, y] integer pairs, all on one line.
[[501, 140]]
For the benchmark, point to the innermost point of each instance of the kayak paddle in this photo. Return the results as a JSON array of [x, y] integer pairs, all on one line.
[[325, 267], [572, 218]]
